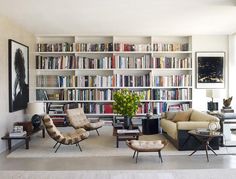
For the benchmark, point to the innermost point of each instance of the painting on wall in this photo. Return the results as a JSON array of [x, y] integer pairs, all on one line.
[[18, 75], [210, 70]]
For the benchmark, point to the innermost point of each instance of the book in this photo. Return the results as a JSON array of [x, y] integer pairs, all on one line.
[[227, 110], [17, 134], [125, 131]]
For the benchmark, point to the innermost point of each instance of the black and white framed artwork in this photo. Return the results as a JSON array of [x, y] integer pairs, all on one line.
[[18, 75], [210, 72]]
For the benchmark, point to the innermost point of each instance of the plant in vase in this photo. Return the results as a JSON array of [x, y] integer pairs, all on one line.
[[126, 104]]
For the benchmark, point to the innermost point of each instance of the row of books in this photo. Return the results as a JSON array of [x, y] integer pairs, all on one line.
[[116, 80], [55, 62], [173, 80], [74, 94], [100, 95], [94, 47], [172, 62], [56, 47], [96, 108], [88, 94], [110, 62], [170, 47], [133, 62], [92, 81], [131, 80], [172, 94], [131, 47]]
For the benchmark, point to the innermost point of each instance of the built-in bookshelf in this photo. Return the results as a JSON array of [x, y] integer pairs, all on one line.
[[86, 70]]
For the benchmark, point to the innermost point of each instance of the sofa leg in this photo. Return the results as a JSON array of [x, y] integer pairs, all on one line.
[[159, 153], [134, 153], [137, 157]]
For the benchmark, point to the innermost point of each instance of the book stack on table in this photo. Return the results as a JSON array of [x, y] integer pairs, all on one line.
[[17, 132]]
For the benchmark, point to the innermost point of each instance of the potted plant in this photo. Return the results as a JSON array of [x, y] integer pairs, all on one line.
[[126, 104]]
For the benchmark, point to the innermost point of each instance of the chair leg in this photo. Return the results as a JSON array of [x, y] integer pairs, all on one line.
[[55, 145], [160, 156], [58, 148], [137, 157], [134, 153], [97, 132], [79, 147]]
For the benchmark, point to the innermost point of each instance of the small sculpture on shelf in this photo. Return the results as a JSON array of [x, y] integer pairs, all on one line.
[[226, 107], [227, 102]]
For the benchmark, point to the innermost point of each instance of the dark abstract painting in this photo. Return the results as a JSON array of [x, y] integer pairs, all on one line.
[[210, 70]]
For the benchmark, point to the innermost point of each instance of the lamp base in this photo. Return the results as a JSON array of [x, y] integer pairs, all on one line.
[[36, 120], [212, 106]]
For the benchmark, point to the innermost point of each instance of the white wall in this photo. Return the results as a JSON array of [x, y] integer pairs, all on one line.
[[10, 30], [208, 43], [232, 69]]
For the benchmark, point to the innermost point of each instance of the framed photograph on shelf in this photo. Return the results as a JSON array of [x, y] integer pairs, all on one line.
[[210, 72], [18, 75]]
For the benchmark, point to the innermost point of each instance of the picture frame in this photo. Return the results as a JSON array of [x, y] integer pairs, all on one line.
[[210, 70], [18, 75]]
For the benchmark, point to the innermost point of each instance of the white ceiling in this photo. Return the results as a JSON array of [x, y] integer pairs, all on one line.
[[123, 17]]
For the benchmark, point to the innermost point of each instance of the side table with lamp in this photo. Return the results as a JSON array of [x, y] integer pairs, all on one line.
[[34, 110]]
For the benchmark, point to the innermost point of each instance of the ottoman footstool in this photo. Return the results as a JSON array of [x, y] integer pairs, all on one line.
[[146, 146]]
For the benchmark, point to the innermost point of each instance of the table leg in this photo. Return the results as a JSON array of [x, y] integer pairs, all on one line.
[[207, 153], [212, 149], [43, 132], [196, 149], [27, 142], [9, 144], [117, 142]]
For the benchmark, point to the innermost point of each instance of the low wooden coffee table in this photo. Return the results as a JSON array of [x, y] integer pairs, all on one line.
[[25, 137], [125, 134], [204, 138]]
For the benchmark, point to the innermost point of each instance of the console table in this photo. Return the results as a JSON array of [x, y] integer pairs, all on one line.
[[25, 137]]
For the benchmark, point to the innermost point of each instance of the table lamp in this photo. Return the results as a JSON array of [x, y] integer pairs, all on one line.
[[36, 111], [212, 106]]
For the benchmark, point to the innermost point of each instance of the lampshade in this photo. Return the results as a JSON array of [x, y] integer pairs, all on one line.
[[35, 108], [214, 93]]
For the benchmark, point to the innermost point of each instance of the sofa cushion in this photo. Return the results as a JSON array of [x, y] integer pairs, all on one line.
[[190, 125], [182, 116], [201, 116], [170, 115]]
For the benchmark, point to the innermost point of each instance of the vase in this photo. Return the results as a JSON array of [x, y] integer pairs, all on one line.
[[127, 122]]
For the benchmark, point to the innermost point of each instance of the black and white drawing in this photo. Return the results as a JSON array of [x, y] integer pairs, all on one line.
[[18, 76]]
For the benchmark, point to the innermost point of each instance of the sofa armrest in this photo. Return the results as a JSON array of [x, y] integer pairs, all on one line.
[[169, 127], [198, 116], [190, 125]]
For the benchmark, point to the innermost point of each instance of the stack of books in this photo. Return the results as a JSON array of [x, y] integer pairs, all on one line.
[[227, 110], [17, 132]]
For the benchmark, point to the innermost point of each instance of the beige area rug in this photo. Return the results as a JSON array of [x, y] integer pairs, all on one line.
[[102, 146]]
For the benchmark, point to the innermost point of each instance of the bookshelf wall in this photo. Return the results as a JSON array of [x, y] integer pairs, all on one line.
[[88, 69]]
